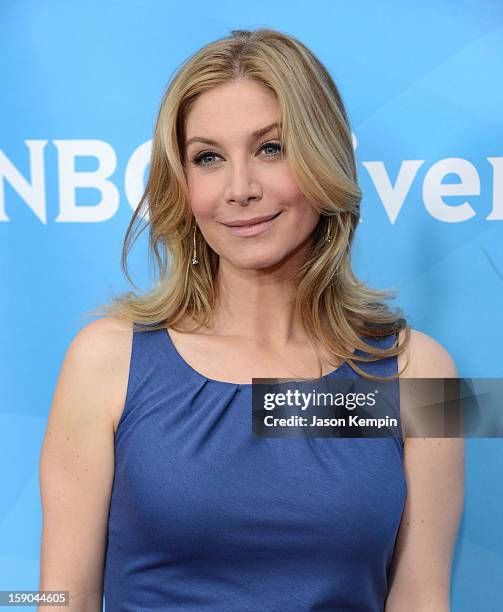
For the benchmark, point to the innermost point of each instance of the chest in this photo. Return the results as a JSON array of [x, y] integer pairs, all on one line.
[[238, 361], [220, 488]]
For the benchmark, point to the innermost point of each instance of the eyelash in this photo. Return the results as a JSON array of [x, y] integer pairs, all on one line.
[[197, 158]]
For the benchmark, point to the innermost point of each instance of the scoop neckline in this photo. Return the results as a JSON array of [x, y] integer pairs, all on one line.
[[187, 366]]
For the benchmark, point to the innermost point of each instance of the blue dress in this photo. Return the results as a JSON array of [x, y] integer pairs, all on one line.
[[206, 516]]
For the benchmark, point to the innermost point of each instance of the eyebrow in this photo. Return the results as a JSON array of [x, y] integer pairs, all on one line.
[[253, 136]]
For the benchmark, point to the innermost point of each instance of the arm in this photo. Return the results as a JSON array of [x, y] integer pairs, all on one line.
[[434, 469], [77, 465]]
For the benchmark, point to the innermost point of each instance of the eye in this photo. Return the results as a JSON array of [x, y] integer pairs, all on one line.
[[199, 159], [272, 145]]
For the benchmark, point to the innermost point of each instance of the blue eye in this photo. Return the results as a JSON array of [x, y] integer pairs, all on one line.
[[198, 159], [272, 144]]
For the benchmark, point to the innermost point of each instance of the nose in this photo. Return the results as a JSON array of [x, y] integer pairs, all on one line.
[[243, 185]]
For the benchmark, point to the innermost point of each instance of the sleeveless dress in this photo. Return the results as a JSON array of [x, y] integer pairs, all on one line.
[[206, 516]]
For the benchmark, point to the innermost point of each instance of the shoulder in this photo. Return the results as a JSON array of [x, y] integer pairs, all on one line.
[[101, 350], [103, 328], [104, 342], [104, 339], [425, 357]]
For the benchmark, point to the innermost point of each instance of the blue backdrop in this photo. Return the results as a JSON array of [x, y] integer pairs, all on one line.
[[81, 85]]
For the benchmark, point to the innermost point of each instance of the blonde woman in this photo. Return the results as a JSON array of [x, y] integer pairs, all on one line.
[[155, 491]]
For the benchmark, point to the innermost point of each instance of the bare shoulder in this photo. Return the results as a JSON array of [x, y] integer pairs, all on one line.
[[107, 343], [104, 328], [425, 357]]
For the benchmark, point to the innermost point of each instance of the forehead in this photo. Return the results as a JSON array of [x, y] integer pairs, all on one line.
[[238, 107]]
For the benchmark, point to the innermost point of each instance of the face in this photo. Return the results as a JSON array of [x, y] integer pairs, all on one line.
[[236, 171]]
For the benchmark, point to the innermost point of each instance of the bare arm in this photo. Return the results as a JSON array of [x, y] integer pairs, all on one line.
[[434, 468], [77, 465]]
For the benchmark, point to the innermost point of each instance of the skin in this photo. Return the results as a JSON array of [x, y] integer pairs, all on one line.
[[254, 332]]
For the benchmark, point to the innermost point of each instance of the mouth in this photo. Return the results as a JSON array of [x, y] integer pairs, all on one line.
[[253, 229]]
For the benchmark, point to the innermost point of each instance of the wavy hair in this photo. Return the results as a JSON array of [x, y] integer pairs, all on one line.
[[333, 306]]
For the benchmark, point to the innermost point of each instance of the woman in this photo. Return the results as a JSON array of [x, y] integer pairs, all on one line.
[[154, 488]]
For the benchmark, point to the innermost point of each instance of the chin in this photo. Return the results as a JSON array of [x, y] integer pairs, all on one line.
[[259, 261], [254, 264]]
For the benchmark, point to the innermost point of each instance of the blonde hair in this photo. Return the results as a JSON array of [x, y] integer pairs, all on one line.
[[334, 307]]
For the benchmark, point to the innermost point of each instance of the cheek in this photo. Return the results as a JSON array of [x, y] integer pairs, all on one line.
[[202, 198], [287, 193], [297, 204]]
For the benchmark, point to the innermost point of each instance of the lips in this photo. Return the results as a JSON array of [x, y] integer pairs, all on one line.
[[251, 222], [256, 229]]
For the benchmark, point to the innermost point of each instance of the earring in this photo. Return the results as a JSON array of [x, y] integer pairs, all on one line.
[[328, 237], [195, 260]]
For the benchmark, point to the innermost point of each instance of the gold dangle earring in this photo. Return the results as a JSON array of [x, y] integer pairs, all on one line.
[[195, 260], [328, 237]]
